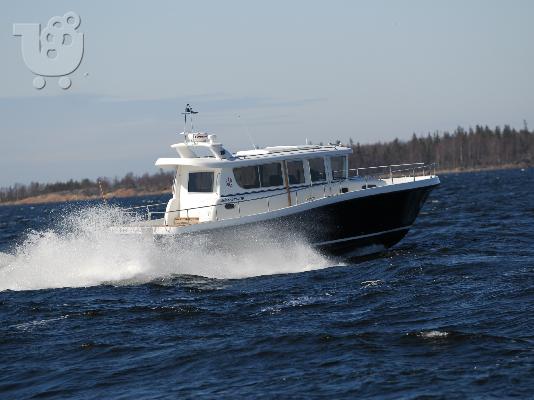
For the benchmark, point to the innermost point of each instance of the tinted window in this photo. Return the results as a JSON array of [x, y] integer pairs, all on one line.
[[247, 177], [271, 175], [295, 172], [200, 182], [317, 171], [338, 167]]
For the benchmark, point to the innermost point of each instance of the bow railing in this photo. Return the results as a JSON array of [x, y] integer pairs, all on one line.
[[390, 172]]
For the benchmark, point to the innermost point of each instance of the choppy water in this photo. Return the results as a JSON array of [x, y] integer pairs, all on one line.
[[447, 314]]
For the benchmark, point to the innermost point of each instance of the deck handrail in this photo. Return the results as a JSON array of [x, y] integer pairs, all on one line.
[[220, 204], [390, 169], [391, 165]]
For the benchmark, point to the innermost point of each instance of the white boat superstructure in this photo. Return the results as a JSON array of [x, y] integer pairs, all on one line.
[[215, 189]]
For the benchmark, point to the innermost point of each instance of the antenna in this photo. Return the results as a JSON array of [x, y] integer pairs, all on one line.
[[188, 111], [102, 192], [248, 132]]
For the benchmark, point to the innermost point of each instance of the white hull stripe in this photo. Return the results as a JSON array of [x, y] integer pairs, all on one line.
[[362, 236]]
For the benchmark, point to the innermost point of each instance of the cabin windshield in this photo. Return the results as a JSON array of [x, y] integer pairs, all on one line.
[[339, 170], [317, 170]]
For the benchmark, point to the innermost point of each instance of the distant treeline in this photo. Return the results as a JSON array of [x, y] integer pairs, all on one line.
[[478, 147], [157, 182]]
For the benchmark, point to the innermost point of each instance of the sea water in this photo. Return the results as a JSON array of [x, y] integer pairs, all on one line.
[[447, 313]]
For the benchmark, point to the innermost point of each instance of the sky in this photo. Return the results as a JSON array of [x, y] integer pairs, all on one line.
[[271, 73]]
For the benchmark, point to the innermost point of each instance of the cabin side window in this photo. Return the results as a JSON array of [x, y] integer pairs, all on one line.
[[317, 170], [247, 177], [200, 182], [295, 172], [271, 175], [263, 175], [339, 171]]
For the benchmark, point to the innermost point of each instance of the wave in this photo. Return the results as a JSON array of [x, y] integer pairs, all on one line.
[[82, 251]]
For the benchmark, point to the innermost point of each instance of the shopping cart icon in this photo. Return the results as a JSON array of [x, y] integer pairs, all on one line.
[[56, 51]]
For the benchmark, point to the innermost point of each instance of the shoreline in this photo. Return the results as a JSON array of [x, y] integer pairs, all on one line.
[[66, 197], [482, 169], [125, 193]]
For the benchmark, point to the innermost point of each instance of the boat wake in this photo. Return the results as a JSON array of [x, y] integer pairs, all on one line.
[[81, 251]]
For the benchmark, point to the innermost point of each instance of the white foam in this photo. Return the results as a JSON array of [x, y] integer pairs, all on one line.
[[367, 284], [28, 326], [295, 302], [81, 251], [434, 334]]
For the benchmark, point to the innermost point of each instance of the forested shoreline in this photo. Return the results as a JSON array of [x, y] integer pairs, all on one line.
[[475, 148], [129, 185]]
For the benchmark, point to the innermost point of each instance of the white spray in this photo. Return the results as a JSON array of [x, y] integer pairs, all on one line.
[[82, 251]]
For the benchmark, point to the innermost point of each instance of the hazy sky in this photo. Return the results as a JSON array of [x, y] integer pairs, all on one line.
[[367, 70]]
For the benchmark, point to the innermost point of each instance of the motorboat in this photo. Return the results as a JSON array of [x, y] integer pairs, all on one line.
[[306, 193]]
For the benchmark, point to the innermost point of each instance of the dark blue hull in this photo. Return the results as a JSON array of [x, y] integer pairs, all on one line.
[[352, 227]]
